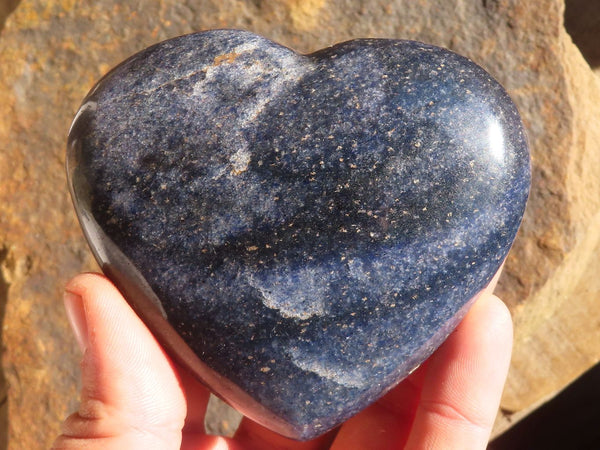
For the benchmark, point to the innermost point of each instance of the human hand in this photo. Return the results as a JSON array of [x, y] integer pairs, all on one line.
[[134, 397]]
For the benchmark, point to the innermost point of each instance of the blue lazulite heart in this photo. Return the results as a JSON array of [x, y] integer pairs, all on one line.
[[300, 231]]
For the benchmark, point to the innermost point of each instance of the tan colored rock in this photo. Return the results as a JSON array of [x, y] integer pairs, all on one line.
[[557, 328], [51, 52]]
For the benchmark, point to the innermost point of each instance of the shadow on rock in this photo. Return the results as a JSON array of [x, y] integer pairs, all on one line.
[[6, 8], [582, 21], [3, 385]]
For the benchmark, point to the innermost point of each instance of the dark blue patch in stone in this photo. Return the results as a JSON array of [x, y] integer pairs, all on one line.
[[312, 227]]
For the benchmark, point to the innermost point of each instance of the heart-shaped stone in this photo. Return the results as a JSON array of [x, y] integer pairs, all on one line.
[[300, 231]]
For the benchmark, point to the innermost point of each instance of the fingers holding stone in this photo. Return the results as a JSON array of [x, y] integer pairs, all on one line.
[[129, 386], [464, 380]]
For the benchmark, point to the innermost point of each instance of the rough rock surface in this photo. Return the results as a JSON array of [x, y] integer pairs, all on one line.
[[52, 52]]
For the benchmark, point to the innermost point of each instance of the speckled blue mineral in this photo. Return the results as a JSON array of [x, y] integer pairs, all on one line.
[[300, 231]]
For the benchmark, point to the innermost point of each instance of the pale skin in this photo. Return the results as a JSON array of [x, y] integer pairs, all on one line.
[[134, 397]]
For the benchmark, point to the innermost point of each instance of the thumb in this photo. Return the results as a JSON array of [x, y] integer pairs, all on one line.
[[130, 396]]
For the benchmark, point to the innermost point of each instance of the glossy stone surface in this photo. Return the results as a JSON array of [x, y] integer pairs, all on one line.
[[312, 227]]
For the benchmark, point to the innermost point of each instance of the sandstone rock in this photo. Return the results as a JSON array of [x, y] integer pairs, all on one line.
[[556, 328], [52, 52]]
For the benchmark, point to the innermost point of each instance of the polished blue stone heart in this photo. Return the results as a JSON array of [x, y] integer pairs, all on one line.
[[299, 231]]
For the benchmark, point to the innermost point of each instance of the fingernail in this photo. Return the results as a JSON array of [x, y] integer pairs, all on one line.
[[76, 316]]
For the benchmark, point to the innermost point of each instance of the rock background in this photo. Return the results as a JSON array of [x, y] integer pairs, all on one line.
[[51, 53]]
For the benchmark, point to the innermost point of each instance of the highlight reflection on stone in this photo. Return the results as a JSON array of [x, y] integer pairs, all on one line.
[[300, 231]]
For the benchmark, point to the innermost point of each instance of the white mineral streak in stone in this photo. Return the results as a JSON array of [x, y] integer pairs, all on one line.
[[266, 83], [356, 269], [289, 71], [240, 160], [288, 293], [350, 377]]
